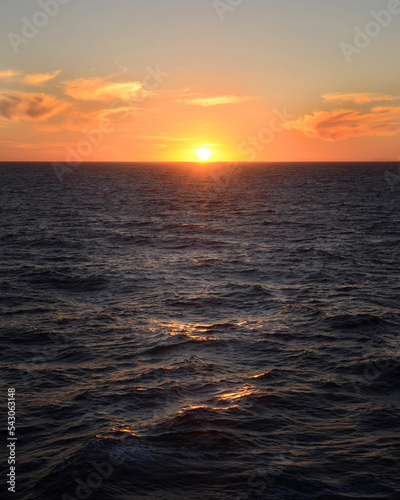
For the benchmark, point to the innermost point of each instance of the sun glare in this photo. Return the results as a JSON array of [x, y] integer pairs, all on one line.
[[204, 154]]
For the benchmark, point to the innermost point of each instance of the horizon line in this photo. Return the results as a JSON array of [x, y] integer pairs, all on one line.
[[200, 163]]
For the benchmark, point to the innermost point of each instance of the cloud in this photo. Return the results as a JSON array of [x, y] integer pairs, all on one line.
[[343, 124], [49, 128], [40, 78], [215, 101], [26, 145], [119, 113], [34, 79], [160, 137], [9, 143], [78, 119], [9, 73], [16, 106], [99, 89], [360, 98]]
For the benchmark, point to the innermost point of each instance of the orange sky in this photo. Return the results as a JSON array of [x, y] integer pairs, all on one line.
[[157, 85]]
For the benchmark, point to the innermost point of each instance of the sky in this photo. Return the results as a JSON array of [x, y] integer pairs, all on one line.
[[156, 80]]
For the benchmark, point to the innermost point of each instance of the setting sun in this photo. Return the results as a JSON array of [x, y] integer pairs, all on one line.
[[204, 154]]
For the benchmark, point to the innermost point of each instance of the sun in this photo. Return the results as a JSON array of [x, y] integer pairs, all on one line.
[[204, 154]]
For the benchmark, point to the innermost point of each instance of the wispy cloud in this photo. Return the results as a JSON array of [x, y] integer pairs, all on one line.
[[48, 128], [75, 120], [4, 143], [16, 106], [118, 113], [359, 98], [9, 73], [215, 101], [167, 138], [102, 90], [37, 146], [347, 123], [39, 78]]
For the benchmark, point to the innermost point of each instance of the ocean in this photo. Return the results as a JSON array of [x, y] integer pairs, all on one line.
[[213, 332]]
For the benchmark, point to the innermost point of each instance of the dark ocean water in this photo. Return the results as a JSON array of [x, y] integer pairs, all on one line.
[[202, 332]]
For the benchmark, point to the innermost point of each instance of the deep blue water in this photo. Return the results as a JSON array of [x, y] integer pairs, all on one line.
[[202, 332]]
